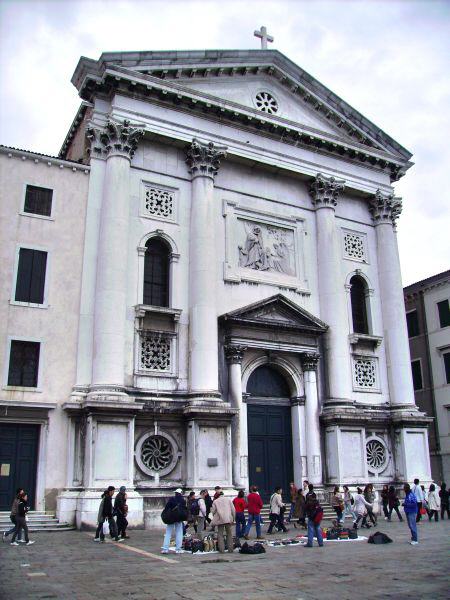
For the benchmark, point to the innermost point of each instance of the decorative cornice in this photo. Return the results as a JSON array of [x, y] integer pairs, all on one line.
[[203, 158], [114, 139], [324, 191], [234, 353], [309, 361], [385, 208]]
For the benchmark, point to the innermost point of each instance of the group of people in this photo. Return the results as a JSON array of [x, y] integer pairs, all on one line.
[[108, 513], [18, 518]]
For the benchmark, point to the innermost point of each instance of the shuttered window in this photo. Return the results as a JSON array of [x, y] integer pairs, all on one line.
[[38, 201], [444, 313], [156, 273], [23, 363], [417, 374], [359, 308], [30, 282]]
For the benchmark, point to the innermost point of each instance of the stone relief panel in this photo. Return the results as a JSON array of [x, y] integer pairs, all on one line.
[[266, 248], [263, 247]]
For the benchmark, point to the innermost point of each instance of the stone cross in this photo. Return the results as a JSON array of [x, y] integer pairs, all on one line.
[[264, 37]]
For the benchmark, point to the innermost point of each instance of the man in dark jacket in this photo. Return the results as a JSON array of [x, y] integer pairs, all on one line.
[[177, 504], [106, 512], [13, 515], [21, 522], [121, 510], [313, 512]]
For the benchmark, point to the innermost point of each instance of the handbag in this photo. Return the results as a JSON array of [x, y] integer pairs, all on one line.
[[423, 511], [105, 528]]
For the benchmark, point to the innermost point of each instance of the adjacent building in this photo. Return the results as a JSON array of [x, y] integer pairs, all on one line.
[[428, 319], [204, 288]]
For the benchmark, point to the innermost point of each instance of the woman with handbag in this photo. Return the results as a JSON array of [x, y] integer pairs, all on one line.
[[21, 520], [385, 501], [105, 514], [393, 503], [369, 496], [349, 502], [337, 504], [173, 515], [300, 510], [277, 509], [361, 508]]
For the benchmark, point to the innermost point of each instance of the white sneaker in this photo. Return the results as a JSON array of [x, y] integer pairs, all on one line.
[[386, 519], [179, 551], [30, 542], [14, 544], [96, 539], [119, 540], [21, 541], [413, 543], [164, 552]]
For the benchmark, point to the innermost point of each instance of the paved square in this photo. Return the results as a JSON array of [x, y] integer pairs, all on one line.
[[71, 565]]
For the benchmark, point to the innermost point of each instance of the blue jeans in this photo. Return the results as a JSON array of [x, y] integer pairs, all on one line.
[[291, 511], [178, 529], [240, 524], [314, 530], [257, 520], [411, 518]]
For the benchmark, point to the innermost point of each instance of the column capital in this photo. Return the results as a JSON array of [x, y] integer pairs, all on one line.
[[385, 208], [114, 139], [309, 361], [234, 353], [203, 158], [324, 191]]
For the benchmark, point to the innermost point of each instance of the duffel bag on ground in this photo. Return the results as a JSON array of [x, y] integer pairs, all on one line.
[[332, 534], [379, 538]]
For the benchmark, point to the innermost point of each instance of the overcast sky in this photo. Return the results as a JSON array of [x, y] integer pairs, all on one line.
[[388, 59]]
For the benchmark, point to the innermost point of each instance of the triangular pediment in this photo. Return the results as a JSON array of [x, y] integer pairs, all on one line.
[[277, 311], [234, 78]]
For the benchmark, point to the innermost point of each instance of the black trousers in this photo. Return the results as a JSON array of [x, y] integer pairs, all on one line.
[[122, 524], [276, 520], [435, 513], [397, 511], [112, 529], [21, 523], [445, 508], [419, 508]]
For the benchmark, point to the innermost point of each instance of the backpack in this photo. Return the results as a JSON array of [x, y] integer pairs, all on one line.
[[195, 508], [318, 515], [379, 538], [174, 514]]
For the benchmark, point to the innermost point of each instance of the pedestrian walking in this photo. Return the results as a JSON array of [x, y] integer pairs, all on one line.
[[420, 497], [208, 504], [201, 524], [385, 501], [105, 513], [349, 502], [277, 508], [293, 494], [223, 513], [254, 512], [314, 512], [393, 503], [337, 503], [176, 510], [299, 510], [217, 493], [369, 496], [13, 515], [310, 489], [240, 504], [305, 487], [445, 501], [193, 510], [121, 511], [410, 507], [361, 508], [21, 520], [434, 504]]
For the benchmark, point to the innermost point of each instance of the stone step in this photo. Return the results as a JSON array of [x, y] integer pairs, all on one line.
[[37, 521]]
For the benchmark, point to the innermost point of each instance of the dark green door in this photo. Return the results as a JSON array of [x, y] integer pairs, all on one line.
[[18, 461], [269, 448]]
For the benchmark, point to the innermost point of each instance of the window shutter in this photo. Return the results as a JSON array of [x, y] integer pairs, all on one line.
[[37, 284], [24, 271], [23, 363]]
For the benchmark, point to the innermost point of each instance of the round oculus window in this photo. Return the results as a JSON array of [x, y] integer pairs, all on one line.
[[265, 102]]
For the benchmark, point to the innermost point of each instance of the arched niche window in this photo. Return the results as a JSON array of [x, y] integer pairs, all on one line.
[[156, 272], [358, 294], [266, 382]]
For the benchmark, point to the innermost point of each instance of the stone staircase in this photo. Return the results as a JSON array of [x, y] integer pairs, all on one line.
[[328, 512], [37, 521]]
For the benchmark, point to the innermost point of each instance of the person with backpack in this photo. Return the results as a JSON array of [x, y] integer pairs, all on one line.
[[240, 505], [223, 513], [277, 508], [349, 502], [13, 515], [338, 504], [174, 513], [393, 503], [105, 513], [21, 520], [254, 512], [445, 502], [433, 503], [314, 512], [410, 507], [121, 511]]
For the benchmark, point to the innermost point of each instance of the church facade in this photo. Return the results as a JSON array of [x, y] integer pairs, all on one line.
[[239, 309]]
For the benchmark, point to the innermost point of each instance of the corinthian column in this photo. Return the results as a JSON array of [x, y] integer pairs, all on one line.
[[324, 193], [117, 142], [313, 449], [239, 438], [203, 161], [385, 209]]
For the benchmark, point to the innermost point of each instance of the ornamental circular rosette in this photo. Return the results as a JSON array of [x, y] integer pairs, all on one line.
[[377, 455], [157, 453], [266, 102]]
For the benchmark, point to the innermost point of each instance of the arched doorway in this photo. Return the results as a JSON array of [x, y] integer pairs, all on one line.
[[269, 431]]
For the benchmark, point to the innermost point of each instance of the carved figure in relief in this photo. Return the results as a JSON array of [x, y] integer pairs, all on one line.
[[275, 256], [253, 254]]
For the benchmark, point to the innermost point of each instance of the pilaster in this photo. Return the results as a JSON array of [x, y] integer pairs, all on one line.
[[313, 445], [239, 434]]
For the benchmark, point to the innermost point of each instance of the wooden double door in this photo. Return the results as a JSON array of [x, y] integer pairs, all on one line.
[[270, 448], [19, 445]]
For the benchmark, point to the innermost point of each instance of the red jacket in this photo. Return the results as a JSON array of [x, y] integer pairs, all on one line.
[[254, 503], [240, 504]]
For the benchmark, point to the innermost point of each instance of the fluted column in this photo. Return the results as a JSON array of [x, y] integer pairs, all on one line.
[[117, 142], [203, 161], [385, 209], [313, 447], [324, 193], [239, 435]]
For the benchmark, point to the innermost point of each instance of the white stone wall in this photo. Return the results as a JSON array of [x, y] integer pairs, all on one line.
[[55, 325]]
